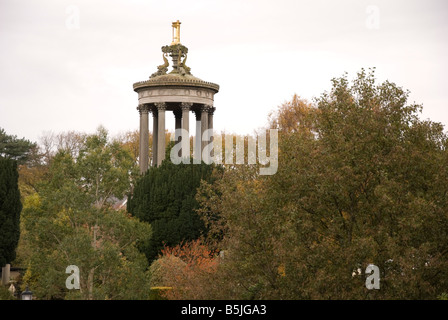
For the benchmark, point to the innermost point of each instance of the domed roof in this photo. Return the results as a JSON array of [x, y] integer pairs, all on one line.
[[176, 79]]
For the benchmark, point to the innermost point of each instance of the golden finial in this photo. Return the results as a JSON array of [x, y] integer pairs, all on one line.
[[176, 32]]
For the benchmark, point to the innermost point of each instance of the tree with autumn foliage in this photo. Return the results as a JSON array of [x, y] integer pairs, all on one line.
[[184, 269], [71, 220], [361, 180]]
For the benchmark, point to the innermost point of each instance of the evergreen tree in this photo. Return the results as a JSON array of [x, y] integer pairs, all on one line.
[[17, 149], [165, 197], [10, 207]]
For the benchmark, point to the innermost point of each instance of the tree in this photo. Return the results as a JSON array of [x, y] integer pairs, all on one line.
[[293, 116], [70, 142], [361, 179], [10, 208], [107, 170], [243, 227], [71, 221], [130, 141], [14, 148], [101, 243], [34, 169], [165, 198], [184, 268]]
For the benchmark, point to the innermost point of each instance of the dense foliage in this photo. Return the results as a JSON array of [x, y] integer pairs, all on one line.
[[72, 220], [15, 148], [361, 180], [10, 208], [165, 198]]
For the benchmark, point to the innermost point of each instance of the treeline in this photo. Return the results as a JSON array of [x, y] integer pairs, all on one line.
[[361, 180], [70, 186]]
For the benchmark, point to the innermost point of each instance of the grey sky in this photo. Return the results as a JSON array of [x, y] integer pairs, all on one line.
[[56, 77]]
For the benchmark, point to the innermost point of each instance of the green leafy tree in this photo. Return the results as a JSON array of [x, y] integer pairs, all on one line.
[[107, 169], [101, 243], [10, 208], [361, 179], [71, 221]]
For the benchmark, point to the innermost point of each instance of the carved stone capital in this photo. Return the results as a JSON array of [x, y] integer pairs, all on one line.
[[186, 106], [161, 106], [205, 108], [143, 108], [211, 109]]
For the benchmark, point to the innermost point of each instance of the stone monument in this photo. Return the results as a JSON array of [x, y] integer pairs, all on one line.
[[177, 91]]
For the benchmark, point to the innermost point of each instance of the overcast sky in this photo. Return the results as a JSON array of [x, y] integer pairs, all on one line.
[[70, 65]]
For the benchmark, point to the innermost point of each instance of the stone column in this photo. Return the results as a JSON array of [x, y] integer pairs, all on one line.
[[144, 138], [6, 275], [211, 110], [177, 123], [204, 125], [197, 138], [186, 106], [161, 107], [155, 129]]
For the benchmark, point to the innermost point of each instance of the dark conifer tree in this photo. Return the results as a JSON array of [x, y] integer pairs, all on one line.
[[14, 148], [10, 208], [165, 197]]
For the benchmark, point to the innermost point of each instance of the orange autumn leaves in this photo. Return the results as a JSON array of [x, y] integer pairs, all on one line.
[[184, 269]]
